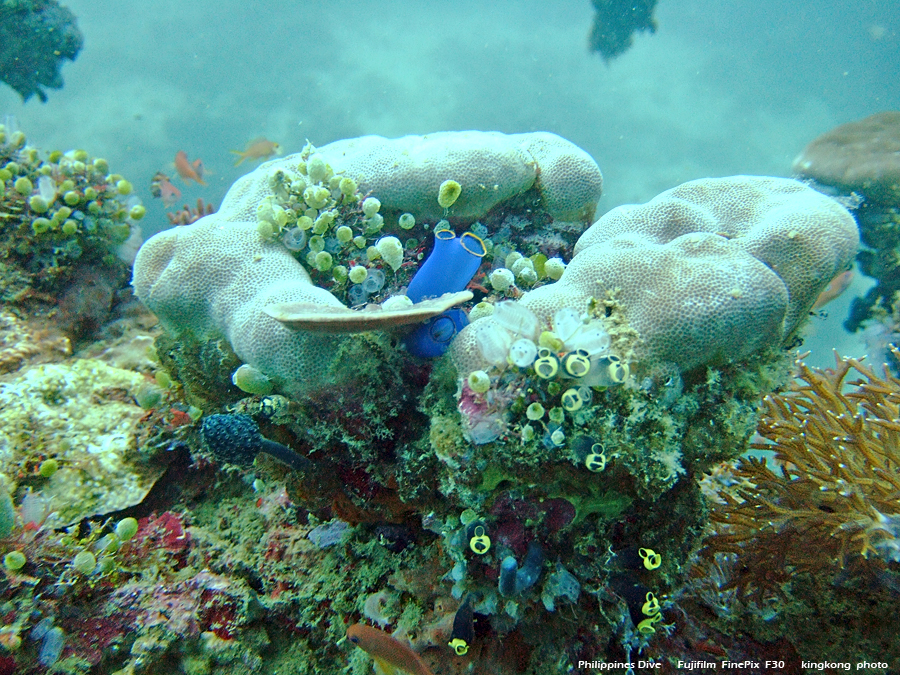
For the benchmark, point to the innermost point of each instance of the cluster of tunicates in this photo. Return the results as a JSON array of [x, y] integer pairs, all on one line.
[[52, 641], [513, 269], [370, 283], [575, 348], [321, 218], [573, 358]]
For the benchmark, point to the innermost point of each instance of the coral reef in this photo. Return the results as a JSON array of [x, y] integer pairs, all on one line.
[[36, 36]]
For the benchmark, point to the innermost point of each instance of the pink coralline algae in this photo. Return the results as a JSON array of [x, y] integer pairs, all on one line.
[[484, 415]]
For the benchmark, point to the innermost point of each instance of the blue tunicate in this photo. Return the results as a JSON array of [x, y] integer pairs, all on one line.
[[479, 230], [52, 646], [40, 628], [357, 295], [328, 534], [530, 571], [560, 584], [332, 245], [294, 239], [508, 570], [450, 267], [432, 338], [374, 280], [515, 580]]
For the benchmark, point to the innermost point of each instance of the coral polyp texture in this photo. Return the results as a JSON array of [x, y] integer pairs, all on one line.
[[406, 173], [710, 271], [322, 228]]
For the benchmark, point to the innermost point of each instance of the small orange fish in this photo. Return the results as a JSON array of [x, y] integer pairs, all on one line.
[[189, 171], [162, 187], [837, 286], [258, 148], [390, 654]]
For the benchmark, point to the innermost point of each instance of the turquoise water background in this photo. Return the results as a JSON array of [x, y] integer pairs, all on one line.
[[724, 87]]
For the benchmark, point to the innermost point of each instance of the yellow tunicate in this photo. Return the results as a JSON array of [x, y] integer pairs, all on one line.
[[407, 221], [372, 253], [479, 381], [305, 222], [38, 204], [137, 212], [84, 562], [71, 198], [358, 274], [571, 401], [370, 206], [126, 528], [40, 225], [448, 193], [48, 467], [347, 186], [324, 261], [70, 227], [359, 241], [344, 234], [23, 186], [14, 560], [123, 187], [534, 412]]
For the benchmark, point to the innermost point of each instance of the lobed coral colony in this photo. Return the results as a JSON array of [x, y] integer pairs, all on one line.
[[411, 403]]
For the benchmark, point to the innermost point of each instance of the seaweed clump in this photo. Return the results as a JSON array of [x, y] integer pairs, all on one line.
[[35, 38]]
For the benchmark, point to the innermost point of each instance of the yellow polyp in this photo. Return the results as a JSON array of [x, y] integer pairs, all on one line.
[[650, 606], [546, 367], [651, 558], [480, 543], [571, 400], [448, 193], [595, 462], [577, 364]]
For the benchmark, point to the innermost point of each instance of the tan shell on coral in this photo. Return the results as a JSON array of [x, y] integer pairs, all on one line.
[[323, 319]]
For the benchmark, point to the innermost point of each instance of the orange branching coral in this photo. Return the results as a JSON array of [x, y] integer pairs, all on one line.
[[834, 498], [187, 215]]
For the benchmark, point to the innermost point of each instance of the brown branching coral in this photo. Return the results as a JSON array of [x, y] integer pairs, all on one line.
[[833, 501]]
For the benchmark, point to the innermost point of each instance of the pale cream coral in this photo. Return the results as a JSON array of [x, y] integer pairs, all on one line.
[[710, 271], [216, 277]]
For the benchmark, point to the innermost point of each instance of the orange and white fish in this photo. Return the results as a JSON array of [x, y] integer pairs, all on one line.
[[837, 286], [258, 148], [187, 170], [162, 187]]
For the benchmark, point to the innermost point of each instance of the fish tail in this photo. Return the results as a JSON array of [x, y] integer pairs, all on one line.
[[241, 156]]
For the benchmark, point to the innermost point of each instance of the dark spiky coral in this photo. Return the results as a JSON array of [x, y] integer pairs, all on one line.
[[833, 501]]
